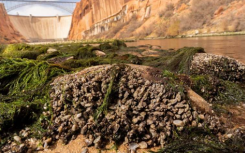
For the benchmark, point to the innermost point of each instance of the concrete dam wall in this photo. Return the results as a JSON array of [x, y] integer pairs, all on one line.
[[36, 29]]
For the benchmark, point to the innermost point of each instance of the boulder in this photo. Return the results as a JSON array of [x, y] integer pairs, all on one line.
[[51, 50], [99, 53], [199, 102]]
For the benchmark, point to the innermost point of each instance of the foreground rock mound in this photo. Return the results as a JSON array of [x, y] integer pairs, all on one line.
[[122, 103]]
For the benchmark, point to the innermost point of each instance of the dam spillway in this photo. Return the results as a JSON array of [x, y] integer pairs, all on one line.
[[38, 28]]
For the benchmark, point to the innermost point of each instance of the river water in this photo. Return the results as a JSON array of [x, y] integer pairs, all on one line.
[[232, 46]]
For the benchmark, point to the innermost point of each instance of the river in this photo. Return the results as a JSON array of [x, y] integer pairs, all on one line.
[[232, 46]]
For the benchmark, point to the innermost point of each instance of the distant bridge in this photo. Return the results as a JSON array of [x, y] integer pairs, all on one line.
[[11, 5]]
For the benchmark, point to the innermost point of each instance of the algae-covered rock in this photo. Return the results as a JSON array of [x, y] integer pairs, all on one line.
[[23, 51], [134, 104]]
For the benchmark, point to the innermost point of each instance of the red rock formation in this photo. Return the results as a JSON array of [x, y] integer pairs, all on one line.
[[8, 34], [155, 17]]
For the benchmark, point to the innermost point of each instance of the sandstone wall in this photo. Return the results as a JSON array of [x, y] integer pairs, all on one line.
[[92, 17], [42, 28], [8, 34], [155, 18]]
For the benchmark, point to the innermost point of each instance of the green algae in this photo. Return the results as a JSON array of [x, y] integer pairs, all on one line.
[[110, 90], [24, 90], [197, 140], [23, 51], [217, 90], [85, 52], [48, 56], [178, 61]]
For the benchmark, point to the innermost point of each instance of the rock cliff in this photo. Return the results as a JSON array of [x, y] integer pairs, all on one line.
[[153, 18], [8, 34]]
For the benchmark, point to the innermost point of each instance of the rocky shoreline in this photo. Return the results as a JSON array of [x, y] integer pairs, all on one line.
[[140, 106]]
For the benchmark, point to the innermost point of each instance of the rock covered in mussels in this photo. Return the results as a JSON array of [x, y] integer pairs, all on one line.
[[122, 103], [220, 66]]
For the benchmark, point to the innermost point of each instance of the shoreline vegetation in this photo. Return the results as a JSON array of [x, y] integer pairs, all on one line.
[[201, 35], [141, 96]]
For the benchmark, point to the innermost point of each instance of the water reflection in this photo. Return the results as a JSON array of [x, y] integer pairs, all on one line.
[[232, 46]]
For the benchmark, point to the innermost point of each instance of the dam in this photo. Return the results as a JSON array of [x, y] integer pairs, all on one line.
[[37, 28], [32, 27]]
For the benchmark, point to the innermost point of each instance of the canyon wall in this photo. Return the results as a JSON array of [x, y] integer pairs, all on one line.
[[42, 28], [92, 17], [8, 34], [154, 18]]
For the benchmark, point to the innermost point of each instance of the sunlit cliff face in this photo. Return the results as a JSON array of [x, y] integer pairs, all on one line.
[[155, 18]]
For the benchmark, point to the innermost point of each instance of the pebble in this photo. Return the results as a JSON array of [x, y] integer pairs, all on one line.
[[179, 123], [17, 138], [194, 123], [133, 146], [60, 129], [201, 116], [48, 141], [143, 145], [229, 135], [74, 127]]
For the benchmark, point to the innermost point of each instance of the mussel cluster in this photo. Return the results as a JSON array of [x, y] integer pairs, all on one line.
[[220, 66], [138, 110], [128, 104]]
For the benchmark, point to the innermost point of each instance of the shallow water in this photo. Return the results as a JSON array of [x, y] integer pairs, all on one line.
[[232, 46]]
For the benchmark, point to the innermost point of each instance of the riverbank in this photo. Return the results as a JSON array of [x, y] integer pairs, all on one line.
[[99, 41], [196, 35]]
